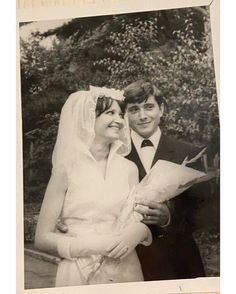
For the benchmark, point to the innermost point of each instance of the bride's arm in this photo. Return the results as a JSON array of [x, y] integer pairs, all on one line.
[[45, 238], [64, 245]]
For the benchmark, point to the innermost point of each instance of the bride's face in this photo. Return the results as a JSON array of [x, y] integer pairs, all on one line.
[[109, 123]]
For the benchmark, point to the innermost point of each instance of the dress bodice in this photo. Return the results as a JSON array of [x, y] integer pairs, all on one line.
[[92, 198], [93, 206]]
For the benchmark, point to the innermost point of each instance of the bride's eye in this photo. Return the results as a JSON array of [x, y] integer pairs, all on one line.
[[110, 112]]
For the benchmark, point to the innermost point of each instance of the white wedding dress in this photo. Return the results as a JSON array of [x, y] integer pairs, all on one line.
[[92, 206]]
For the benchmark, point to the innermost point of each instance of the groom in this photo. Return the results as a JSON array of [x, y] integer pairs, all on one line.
[[173, 253]]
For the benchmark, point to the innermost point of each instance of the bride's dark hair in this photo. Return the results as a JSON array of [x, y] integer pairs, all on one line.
[[104, 103]]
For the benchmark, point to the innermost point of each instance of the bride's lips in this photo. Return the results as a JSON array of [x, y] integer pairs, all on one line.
[[144, 123], [115, 127]]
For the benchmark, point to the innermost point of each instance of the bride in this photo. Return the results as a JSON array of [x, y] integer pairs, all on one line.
[[88, 190]]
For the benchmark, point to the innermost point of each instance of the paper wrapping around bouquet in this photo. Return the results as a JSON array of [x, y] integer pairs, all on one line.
[[166, 180]]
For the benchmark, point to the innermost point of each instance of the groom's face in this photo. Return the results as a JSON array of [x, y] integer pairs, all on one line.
[[144, 117]]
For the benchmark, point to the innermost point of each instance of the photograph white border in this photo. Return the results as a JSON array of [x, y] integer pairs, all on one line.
[[49, 10]]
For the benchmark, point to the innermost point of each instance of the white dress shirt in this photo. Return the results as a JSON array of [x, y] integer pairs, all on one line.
[[146, 154]]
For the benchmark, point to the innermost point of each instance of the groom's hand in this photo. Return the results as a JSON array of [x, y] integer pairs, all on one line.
[[154, 213]]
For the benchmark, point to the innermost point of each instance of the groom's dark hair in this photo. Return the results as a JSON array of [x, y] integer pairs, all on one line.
[[139, 92]]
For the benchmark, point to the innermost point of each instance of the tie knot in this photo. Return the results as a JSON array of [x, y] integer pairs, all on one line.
[[146, 143]]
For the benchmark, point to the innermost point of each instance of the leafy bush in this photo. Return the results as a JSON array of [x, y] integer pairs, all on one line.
[[30, 223], [183, 70], [171, 48], [37, 164]]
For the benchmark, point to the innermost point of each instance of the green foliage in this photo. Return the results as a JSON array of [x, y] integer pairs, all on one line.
[[184, 72], [170, 48], [43, 137], [209, 245], [129, 55], [30, 223], [37, 153], [191, 90]]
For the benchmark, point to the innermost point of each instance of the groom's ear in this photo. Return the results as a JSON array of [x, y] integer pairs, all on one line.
[[162, 109]]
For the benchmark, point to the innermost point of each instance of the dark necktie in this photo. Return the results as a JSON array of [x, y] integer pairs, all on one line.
[[146, 143]]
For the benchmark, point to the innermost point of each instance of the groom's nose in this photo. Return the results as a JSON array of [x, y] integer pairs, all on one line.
[[142, 114]]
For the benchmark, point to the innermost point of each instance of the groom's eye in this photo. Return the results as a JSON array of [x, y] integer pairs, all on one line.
[[133, 109], [148, 106]]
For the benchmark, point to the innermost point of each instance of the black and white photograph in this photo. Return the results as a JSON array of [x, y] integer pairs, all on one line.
[[120, 148]]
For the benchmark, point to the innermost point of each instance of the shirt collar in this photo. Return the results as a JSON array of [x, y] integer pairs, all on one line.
[[137, 139]]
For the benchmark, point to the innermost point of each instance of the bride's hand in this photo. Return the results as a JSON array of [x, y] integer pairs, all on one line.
[[123, 244], [89, 245]]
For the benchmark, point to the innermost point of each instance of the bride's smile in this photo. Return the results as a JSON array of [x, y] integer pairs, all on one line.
[[109, 123]]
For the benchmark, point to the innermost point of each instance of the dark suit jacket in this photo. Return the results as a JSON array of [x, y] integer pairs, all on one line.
[[173, 253]]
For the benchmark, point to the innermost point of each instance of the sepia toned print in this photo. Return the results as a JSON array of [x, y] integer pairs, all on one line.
[[158, 53]]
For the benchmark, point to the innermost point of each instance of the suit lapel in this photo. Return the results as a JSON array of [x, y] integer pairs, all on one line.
[[133, 156], [165, 150]]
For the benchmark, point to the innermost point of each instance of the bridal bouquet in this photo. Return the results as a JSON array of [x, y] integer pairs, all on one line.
[[164, 181], [167, 180]]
